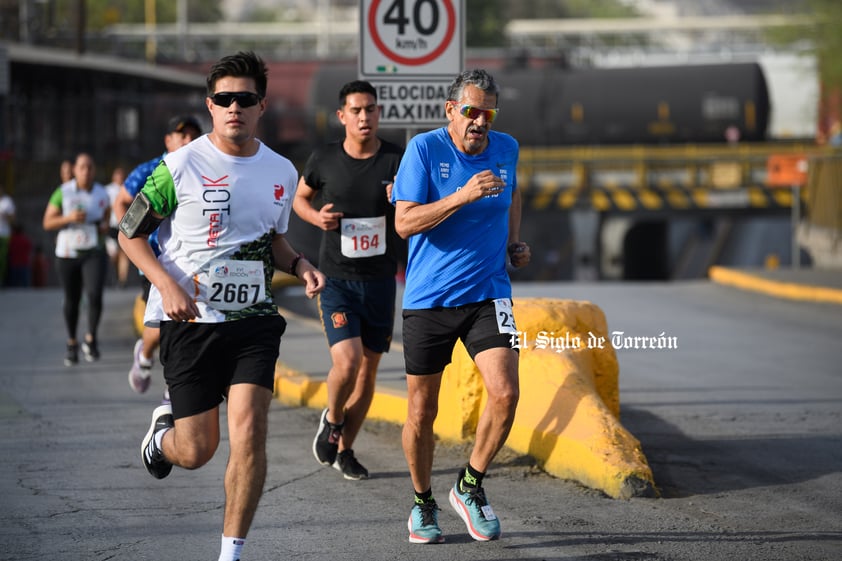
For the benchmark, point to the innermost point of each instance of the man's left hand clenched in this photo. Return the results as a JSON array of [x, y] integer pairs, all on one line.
[[519, 254]]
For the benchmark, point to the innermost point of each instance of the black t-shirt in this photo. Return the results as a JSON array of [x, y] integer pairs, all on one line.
[[357, 188]]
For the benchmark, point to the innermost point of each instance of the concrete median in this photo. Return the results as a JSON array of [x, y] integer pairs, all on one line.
[[568, 414]]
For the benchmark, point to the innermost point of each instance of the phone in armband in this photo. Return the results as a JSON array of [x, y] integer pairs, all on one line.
[[139, 219]]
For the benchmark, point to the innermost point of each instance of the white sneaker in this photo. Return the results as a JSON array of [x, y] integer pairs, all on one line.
[[140, 376]]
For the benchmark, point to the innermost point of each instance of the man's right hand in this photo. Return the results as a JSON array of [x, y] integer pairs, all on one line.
[[483, 184], [329, 220], [177, 304]]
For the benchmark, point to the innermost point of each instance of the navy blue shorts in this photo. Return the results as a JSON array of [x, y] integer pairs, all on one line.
[[365, 309], [201, 360], [430, 335]]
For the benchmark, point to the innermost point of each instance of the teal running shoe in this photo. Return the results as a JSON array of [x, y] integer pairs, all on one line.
[[473, 508], [423, 523]]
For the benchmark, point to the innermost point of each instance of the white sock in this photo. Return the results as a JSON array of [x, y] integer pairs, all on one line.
[[159, 438], [231, 548]]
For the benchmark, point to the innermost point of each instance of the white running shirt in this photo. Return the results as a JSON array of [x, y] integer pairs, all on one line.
[[222, 213], [76, 238]]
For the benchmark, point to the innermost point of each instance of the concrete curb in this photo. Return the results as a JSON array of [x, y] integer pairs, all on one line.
[[297, 389], [779, 289], [568, 415]]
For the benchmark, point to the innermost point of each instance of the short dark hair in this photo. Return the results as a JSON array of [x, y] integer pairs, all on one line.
[[476, 77], [243, 64], [356, 86]]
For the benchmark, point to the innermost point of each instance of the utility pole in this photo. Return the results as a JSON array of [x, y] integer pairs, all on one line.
[[323, 16], [151, 24], [81, 23], [181, 20], [24, 15]]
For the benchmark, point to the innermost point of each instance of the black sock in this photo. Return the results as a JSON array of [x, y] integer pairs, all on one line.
[[425, 497], [335, 426], [471, 477]]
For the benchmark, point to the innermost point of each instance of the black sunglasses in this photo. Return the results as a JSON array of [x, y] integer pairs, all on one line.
[[243, 99]]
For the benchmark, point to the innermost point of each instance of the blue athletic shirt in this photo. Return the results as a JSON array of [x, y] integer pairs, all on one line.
[[462, 260]]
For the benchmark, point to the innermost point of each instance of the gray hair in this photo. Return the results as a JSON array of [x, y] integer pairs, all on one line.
[[476, 77]]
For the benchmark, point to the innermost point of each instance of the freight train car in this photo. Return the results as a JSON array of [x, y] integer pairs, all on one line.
[[642, 105], [651, 107], [609, 106]]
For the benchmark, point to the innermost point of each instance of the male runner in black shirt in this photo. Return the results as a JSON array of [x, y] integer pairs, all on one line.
[[359, 256]]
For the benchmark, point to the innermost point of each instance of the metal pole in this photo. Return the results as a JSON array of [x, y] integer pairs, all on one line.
[[81, 24], [151, 37], [181, 21], [23, 23], [796, 216], [323, 16]]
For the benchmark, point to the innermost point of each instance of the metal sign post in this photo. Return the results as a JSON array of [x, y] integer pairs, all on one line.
[[790, 171], [796, 218]]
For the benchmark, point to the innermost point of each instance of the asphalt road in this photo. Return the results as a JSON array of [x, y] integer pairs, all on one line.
[[741, 425]]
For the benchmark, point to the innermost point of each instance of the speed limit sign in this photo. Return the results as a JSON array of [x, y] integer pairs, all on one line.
[[402, 39]]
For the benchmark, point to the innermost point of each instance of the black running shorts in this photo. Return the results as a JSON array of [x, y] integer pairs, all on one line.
[[201, 360], [429, 335]]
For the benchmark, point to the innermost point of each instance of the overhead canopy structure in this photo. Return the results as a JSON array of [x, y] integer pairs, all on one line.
[[617, 26], [688, 31]]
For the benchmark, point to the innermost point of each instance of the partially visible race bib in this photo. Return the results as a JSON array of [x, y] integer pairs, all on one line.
[[81, 236], [363, 237], [505, 315], [235, 285]]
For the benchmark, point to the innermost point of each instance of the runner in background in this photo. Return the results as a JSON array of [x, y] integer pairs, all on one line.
[[359, 254], [181, 130], [79, 210]]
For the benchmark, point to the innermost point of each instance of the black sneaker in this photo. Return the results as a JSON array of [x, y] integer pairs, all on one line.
[[90, 350], [72, 356], [326, 443], [153, 457], [347, 463]]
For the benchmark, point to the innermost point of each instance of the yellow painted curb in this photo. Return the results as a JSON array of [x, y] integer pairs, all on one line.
[[137, 314], [780, 289], [281, 280], [296, 389], [568, 414]]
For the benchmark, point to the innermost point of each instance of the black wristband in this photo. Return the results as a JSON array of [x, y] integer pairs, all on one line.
[[294, 263]]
